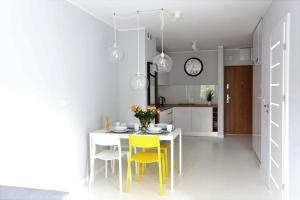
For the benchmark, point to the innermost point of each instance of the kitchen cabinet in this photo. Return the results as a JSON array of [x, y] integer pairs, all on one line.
[[163, 78], [256, 93], [202, 119], [257, 44], [194, 120], [166, 116], [182, 119]]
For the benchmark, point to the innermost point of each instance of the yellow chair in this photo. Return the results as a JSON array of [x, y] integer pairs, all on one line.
[[146, 142], [164, 148]]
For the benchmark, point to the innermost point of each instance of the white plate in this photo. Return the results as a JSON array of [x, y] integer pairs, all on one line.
[[120, 128], [119, 131], [154, 132]]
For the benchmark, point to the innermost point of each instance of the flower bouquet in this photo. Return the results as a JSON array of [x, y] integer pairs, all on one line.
[[145, 116]]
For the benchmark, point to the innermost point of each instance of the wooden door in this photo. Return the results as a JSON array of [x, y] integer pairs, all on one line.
[[238, 100]]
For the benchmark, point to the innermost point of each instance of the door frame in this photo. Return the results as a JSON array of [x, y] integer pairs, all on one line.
[[224, 95], [285, 114]]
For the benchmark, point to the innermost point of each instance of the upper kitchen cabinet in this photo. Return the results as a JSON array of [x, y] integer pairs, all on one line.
[[257, 44]]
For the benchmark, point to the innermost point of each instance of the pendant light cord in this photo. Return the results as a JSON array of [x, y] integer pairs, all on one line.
[[138, 42], [115, 30], [162, 29]]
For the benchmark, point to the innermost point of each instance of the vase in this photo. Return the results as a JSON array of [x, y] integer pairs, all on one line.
[[144, 124], [209, 103]]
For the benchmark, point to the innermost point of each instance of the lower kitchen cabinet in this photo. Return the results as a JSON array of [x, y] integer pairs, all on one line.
[[194, 120], [183, 119], [166, 116], [202, 119]]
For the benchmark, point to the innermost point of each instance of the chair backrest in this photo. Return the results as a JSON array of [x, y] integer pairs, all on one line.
[[144, 141], [105, 139]]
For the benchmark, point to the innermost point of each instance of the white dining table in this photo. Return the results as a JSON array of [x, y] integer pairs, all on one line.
[[163, 137]]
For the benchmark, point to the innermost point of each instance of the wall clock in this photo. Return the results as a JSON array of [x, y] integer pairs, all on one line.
[[193, 66]]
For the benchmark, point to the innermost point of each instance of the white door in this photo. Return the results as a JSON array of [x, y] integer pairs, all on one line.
[[256, 106], [278, 67]]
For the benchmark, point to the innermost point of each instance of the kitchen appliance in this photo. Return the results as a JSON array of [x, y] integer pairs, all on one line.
[[161, 100]]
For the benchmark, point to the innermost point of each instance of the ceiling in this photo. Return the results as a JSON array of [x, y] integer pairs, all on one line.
[[209, 22]]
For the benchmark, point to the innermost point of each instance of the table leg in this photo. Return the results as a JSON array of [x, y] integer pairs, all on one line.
[[180, 153], [172, 164]]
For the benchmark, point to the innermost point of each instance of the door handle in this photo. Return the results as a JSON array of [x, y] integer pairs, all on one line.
[[266, 106], [228, 98]]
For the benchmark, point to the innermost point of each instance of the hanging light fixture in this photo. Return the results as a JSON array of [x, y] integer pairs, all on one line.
[[116, 53], [163, 62], [139, 81]]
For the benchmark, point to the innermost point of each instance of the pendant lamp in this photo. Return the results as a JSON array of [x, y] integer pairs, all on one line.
[[163, 62], [139, 81], [115, 52]]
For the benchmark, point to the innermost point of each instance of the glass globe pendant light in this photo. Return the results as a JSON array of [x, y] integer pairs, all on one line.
[[162, 61], [139, 81], [115, 52]]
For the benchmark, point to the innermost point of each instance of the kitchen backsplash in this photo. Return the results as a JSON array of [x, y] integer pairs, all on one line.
[[187, 93]]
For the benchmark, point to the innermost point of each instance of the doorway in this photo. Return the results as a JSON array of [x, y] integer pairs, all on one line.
[[238, 99]]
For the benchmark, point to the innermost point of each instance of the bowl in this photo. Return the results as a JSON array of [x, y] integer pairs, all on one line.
[[154, 129], [162, 125]]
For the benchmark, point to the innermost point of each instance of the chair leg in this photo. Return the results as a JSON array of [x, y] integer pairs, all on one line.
[[163, 162], [91, 180], [143, 164], [105, 168], [113, 166], [128, 175], [114, 148], [134, 149], [166, 162], [138, 172], [143, 168], [160, 177], [120, 174]]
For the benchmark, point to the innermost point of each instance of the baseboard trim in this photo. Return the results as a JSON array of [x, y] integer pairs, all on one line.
[[210, 134]]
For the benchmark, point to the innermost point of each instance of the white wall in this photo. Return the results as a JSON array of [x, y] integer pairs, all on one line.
[[276, 12], [221, 90], [186, 89], [128, 67], [56, 85], [209, 75]]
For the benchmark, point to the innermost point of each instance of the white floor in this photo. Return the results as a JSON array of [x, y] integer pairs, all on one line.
[[213, 169]]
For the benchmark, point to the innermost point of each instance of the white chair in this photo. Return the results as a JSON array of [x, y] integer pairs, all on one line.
[[106, 155]]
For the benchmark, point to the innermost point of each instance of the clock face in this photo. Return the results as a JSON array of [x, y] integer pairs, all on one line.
[[193, 66]]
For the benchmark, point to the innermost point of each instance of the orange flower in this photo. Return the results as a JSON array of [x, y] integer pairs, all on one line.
[[133, 108]]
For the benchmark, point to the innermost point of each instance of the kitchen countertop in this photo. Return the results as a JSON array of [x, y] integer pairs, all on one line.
[[168, 106]]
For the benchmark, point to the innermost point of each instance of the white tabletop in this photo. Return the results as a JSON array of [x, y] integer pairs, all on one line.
[[170, 136]]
